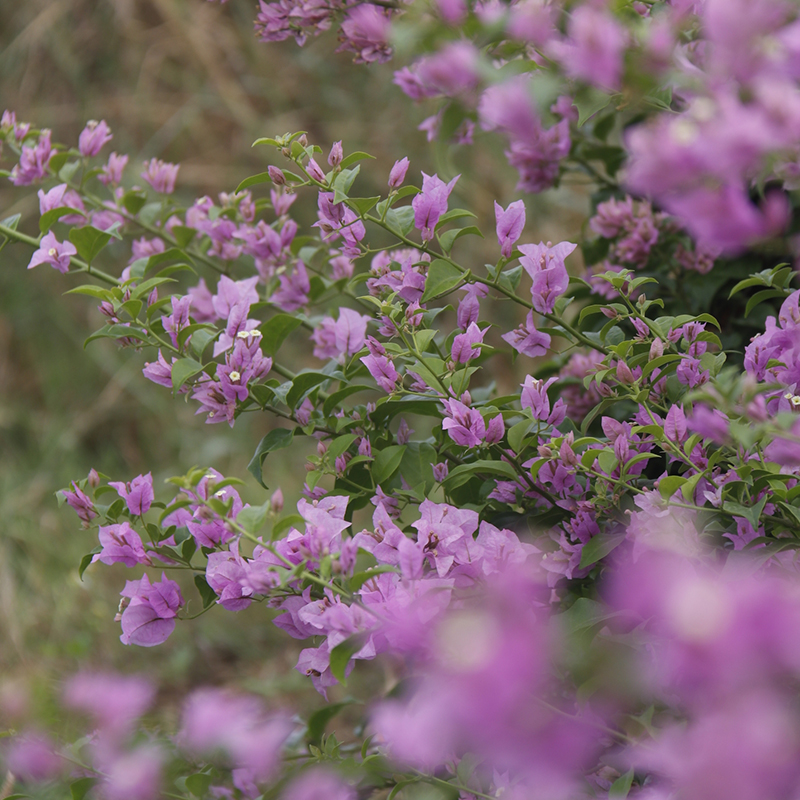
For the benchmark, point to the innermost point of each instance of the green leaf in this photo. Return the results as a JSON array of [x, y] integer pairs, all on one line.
[[12, 221], [589, 101], [79, 788], [284, 523], [599, 547], [134, 201], [510, 278], [335, 399], [582, 615], [201, 338], [208, 595], [669, 485], [659, 362], [518, 432], [275, 330], [57, 161], [88, 241], [405, 191], [463, 472], [183, 235], [302, 384], [252, 518], [417, 464], [199, 783], [389, 409], [276, 439], [401, 219], [363, 204], [319, 720], [354, 158], [600, 407], [448, 238], [87, 559], [387, 462], [442, 278], [455, 213], [182, 370], [92, 291], [188, 548], [607, 460], [760, 297], [269, 141], [343, 183], [117, 332], [340, 655], [147, 286], [751, 513], [360, 578], [340, 444], [48, 219], [621, 786], [254, 180]]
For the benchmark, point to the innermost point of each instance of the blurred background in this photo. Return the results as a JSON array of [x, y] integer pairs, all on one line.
[[186, 81]]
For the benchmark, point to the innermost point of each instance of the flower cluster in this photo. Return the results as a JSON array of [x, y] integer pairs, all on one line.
[[586, 580]]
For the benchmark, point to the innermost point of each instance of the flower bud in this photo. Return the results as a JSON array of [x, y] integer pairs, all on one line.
[[276, 176], [315, 171], [656, 349], [93, 478], [398, 173], [276, 501], [336, 155], [604, 390], [624, 374]]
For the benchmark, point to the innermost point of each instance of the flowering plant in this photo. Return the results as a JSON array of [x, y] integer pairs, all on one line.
[[588, 583]]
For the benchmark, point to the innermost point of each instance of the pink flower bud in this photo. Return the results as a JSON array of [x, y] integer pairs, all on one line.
[[276, 176], [93, 478], [495, 430], [656, 349], [314, 171], [624, 374], [398, 173], [336, 155], [276, 501]]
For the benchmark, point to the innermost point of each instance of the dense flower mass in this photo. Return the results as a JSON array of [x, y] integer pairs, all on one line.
[[559, 505]]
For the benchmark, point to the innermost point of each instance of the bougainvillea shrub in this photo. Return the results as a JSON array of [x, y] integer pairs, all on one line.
[[586, 586]]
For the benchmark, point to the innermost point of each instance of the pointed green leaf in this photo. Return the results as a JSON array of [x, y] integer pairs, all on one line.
[[600, 546], [275, 330], [88, 241], [254, 180], [302, 384], [207, 594], [354, 158], [182, 370], [49, 218], [276, 439], [442, 278], [387, 462]]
